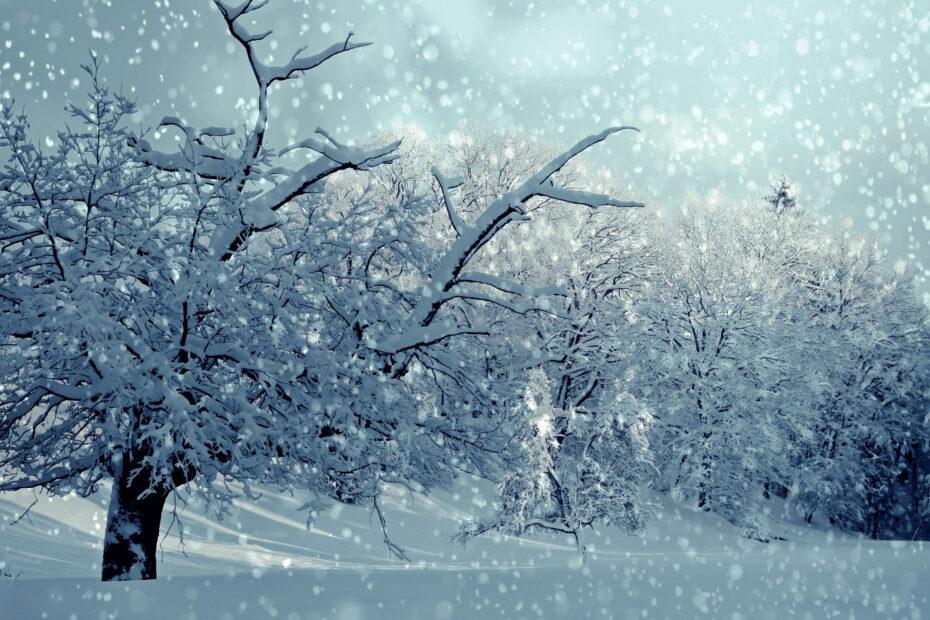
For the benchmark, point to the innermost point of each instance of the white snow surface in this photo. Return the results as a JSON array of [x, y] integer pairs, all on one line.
[[261, 561]]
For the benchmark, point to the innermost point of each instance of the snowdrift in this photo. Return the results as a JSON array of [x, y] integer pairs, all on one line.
[[261, 561]]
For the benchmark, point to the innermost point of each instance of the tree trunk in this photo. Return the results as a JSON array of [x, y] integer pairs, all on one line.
[[133, 521]]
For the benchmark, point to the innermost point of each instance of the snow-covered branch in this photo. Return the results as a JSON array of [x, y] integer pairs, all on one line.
[[48, 477], [508, 286], [445, 185], [299, 64], [507, 208], [424, 337]]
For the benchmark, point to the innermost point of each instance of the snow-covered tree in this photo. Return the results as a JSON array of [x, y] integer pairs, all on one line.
[[863, 469], [582, 453], [580, 469], [782, 358], [714, 352], [784, 197], [212, 318]]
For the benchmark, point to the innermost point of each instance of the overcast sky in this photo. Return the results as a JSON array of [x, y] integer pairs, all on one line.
[[729, 95]]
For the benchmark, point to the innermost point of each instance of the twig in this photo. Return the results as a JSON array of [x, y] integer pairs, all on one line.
[[26, 512], [393, 548]]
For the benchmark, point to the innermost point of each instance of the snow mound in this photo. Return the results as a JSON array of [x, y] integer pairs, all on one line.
[[261, 561]]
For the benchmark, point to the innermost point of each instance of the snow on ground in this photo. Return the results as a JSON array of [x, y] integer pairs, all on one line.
[[262, 562]]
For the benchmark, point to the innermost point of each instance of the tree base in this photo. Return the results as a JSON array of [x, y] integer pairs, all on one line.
[[133, 523]]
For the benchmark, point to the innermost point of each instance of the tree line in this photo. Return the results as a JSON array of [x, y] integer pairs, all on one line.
[[727, 355]]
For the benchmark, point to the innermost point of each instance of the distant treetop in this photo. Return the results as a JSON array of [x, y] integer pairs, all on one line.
[[784, 197]]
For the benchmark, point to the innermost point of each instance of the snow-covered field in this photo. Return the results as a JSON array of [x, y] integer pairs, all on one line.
[[262, 562]]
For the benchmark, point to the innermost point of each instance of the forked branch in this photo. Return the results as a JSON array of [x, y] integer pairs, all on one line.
[[510, 207]]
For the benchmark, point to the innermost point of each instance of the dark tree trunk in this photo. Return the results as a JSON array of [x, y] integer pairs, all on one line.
[[133, 521]]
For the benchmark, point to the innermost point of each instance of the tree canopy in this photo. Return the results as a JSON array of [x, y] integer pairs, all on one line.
[[213, 316]]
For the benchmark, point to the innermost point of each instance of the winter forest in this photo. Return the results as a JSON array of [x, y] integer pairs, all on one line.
[[290, 365]]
